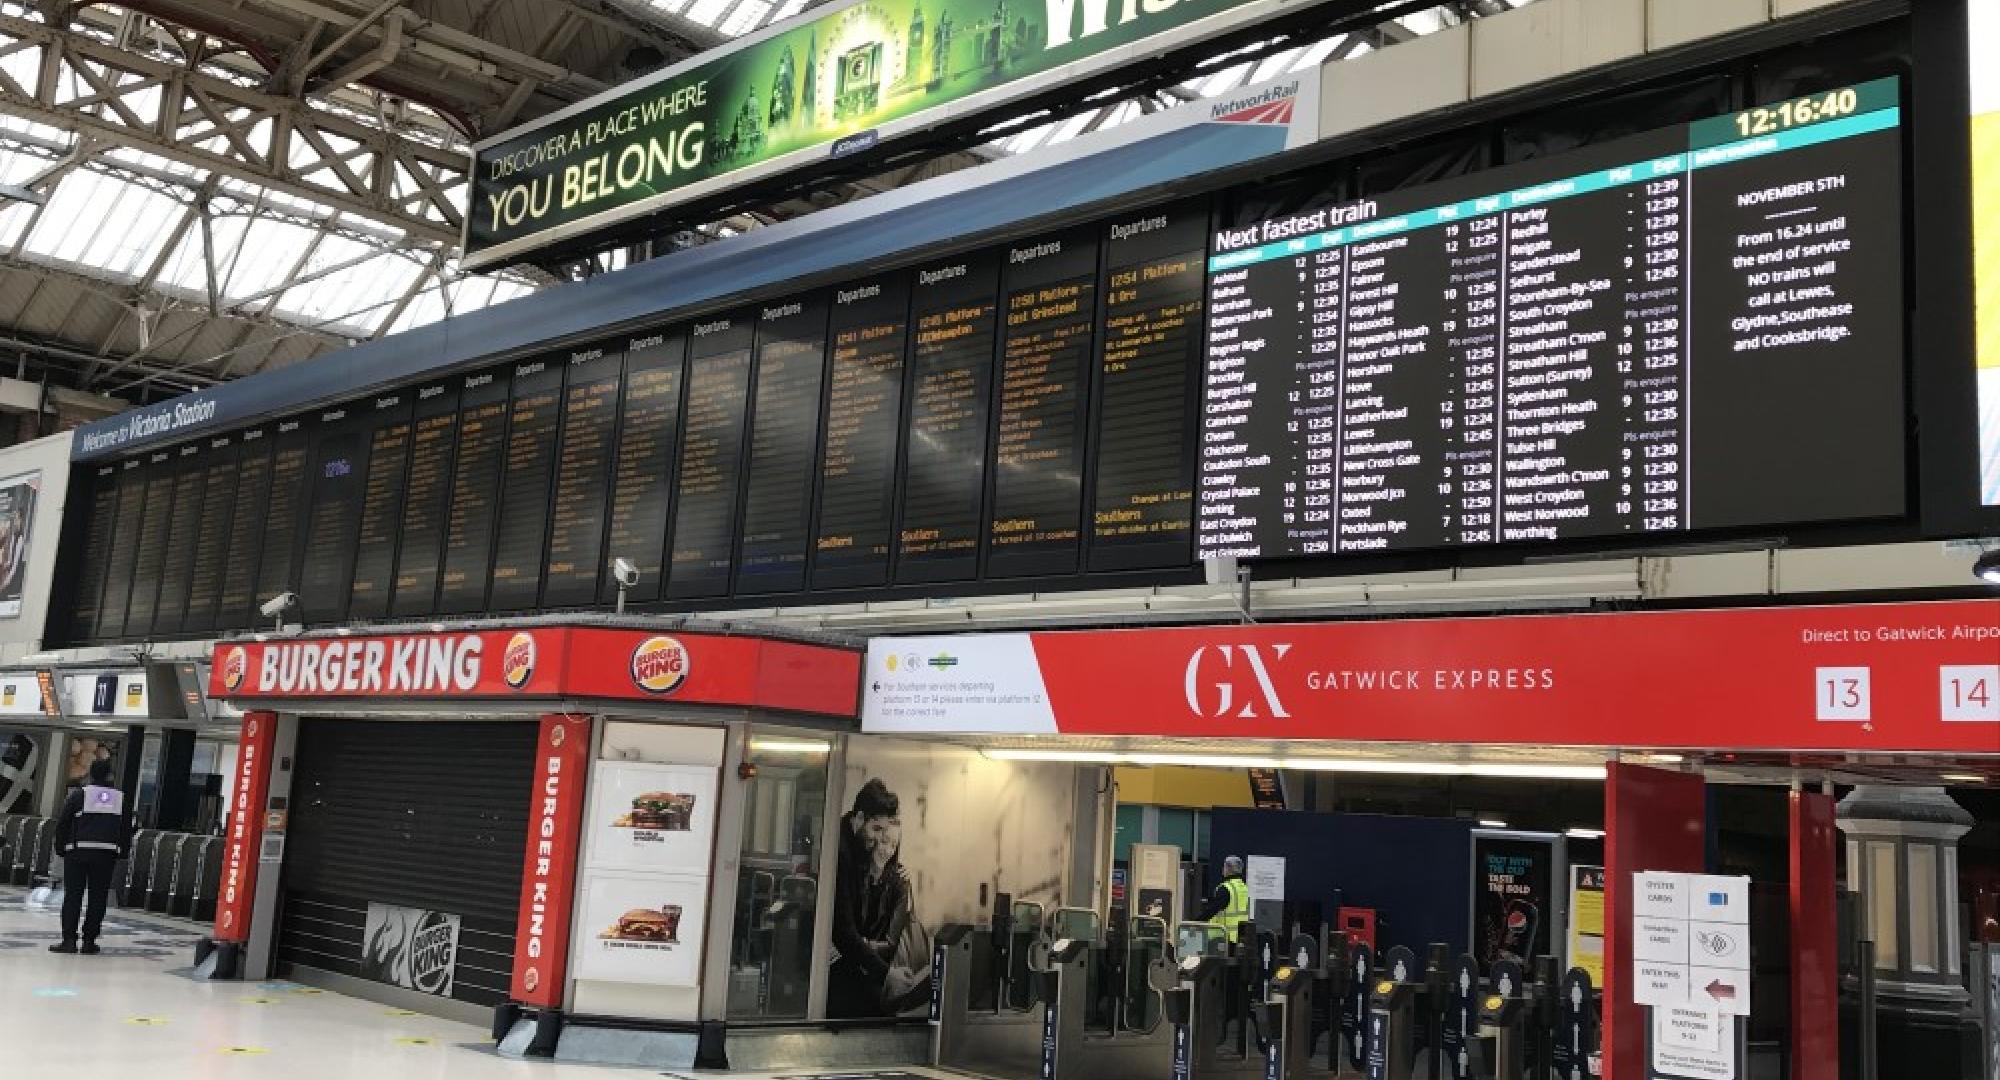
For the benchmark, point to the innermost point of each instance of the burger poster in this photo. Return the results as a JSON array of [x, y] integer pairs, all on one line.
[[652, 817], [641, 928]]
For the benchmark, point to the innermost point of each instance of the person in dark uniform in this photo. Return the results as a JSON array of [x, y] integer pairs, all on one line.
[[91, 833]]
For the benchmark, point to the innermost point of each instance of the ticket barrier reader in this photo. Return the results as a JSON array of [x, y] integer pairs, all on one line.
[[1397, 999], [984, 988], [1288, 1005], [1132, 1048], [1507, 1010]]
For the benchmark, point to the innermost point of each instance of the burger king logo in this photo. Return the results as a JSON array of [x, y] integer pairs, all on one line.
[[235, 665], [659, 665], [517, 664]]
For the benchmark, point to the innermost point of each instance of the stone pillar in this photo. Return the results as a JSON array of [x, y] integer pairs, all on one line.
[[1902, 867]]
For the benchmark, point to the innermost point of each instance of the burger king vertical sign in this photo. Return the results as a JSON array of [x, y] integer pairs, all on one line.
[[236, 896], [548, 875]]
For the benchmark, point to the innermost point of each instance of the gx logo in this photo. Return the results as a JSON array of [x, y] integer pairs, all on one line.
[[1235, 660]]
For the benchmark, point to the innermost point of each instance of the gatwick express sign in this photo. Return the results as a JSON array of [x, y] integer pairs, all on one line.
[[846, 78], [1890, 677]]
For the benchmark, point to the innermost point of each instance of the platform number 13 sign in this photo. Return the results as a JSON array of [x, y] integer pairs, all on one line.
[[1842, 693], [1970, 692]]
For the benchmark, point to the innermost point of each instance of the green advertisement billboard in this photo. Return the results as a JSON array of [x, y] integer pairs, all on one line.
[[837, 80]]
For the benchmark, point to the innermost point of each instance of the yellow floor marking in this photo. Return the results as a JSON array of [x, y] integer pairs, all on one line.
[[146, 1021], [245, 1051], [409, 1040]]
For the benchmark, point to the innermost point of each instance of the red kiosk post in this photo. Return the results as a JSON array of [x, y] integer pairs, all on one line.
[[1815, 966], [1653, 820]]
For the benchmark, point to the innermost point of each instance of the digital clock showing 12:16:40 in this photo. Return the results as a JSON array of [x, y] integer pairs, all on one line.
[[1811, 109]]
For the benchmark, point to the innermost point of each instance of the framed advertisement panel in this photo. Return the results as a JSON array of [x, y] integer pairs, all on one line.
[[651, 818]]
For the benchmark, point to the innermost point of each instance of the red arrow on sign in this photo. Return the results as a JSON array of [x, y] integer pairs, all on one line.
[[1721, 991]]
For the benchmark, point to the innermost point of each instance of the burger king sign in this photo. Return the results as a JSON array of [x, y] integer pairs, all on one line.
[[517, 664], [660, 665], [235, 665]]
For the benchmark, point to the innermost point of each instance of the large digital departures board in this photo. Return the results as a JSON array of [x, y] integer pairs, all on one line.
[[1696, 328], [1699, 328]]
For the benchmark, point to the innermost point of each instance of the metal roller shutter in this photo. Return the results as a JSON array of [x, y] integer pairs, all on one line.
[[427, 816]]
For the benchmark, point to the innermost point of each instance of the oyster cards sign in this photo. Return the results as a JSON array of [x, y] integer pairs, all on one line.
[[845, 79]]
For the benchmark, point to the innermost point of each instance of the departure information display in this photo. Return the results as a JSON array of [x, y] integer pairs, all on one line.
[[339, 474], [475, 492], [864, 406], [285, 513], [1694, 329], [642, 472], [953, 306], [711, 465], [1050, 301], [532, 424], [784, 443], [589, 422], [96, 553], [1143, 502], [381, 506], [155, 525], [1617, 341], [183, 530], [124, 548], [246, 529], [420, 554], [218, 504]]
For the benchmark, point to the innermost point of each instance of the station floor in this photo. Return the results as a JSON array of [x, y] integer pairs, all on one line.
[[126, 1013]]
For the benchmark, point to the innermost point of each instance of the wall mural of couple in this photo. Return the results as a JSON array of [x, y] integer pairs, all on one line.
[[927, 825]]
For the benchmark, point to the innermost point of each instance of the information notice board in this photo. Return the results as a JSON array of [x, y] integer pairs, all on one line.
[[1611, 342], [1614, 341]]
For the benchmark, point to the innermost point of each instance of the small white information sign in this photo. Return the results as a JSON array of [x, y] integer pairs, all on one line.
[[1659, 984], [1724, 989], [1659, 896], [1265, 874], [1723, 945], [1660, 940], [1694, 1043], [1718, 899]]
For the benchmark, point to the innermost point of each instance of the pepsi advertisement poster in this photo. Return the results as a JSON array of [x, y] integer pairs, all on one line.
[[1513, 904]]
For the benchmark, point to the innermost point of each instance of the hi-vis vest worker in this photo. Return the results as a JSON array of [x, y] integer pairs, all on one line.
[[1230, 905]]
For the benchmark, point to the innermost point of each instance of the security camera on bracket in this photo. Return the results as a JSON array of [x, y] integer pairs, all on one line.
[[627, 575], [275, 608]]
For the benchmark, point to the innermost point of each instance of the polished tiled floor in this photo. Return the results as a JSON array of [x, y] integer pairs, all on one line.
[[125, 1013]]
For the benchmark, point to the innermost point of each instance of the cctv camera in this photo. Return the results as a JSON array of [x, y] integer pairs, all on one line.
[[279, 604], [625, 572]]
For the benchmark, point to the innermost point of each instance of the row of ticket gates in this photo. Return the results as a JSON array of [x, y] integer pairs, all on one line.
[[167, 873], [1056, 999]]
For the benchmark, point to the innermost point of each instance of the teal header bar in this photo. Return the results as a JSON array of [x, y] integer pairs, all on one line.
[[1882, 119]]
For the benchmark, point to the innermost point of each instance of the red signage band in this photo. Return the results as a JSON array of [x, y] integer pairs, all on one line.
[[237, 895], [1884, 678], [545, 663], [548, 874]]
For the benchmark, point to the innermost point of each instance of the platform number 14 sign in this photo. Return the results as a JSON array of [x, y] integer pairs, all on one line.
[[1970, 692]]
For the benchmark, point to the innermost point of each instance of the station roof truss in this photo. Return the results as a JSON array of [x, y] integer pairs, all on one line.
[[196, 190]]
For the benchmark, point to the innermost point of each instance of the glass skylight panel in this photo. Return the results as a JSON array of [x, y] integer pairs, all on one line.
[[789, 9], [706, 12], [747, 17]]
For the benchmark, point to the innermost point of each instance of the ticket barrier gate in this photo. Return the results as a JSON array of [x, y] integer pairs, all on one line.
[[1302, 979], [1288, 1005], [984, 991], [1210, 982], [1070, 1050]]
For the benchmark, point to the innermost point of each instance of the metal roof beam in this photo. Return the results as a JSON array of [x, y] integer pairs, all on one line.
[[194, 108]]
